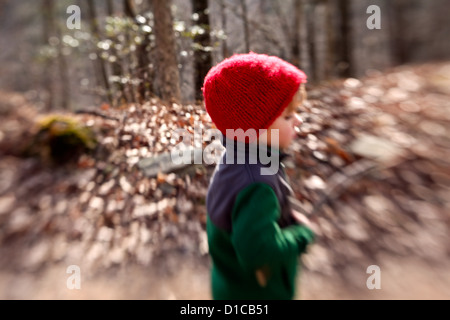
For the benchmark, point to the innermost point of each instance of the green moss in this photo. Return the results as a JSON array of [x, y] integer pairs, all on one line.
[[62, 139]]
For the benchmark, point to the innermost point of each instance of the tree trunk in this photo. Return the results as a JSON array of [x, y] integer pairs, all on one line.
[[246, 25], [223, 16], [331, 39], [92, 12], [295, 47], [291, 27], [344, 44], [63, 76], [202, 56], [167, 82], [129, 8], [311, 39], [110, 7], [54, 88], [332, 27], [398, 28], [141, 71], [321, 40], [117, 69], [48, 28]]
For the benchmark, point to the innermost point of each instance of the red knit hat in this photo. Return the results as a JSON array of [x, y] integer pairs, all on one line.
[[250, 91]]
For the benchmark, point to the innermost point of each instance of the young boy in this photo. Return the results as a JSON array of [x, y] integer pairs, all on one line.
[[254, 237]]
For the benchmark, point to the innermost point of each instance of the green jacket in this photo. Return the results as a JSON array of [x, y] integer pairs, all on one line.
[[254, 249]]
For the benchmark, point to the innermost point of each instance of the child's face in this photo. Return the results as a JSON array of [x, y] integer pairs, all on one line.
[[286, 124]]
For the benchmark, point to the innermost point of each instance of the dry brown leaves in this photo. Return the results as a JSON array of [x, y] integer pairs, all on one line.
[[105, 212]]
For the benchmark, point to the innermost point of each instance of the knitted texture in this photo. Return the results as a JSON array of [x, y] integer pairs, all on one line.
[[250, 91]]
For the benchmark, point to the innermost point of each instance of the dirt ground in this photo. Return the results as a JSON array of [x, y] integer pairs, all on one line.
[[401, 278]]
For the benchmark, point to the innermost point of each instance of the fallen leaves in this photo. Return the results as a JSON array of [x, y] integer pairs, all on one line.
[[390, 119], [127, 203], [335, 148]]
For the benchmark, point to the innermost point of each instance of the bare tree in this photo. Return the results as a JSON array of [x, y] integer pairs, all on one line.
[[321, 39], [332, 57], [223, 17], [142, 57], [344, 42], [51, 29], [310, 6], [246, 25], [167, 77], [129, 8], [48, 25], [63, 75], [295, 47], [117, 65], [266, 31], [93, 19], [110, 7], [398, 26], [202, 54], [291, 26]]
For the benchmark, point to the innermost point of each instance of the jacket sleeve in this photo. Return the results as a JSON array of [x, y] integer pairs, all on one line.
[[256, 235]]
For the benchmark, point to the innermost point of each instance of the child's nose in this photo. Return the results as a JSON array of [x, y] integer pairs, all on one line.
[[297, 120]]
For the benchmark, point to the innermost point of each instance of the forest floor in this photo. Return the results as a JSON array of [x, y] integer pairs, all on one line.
[[136, 233]]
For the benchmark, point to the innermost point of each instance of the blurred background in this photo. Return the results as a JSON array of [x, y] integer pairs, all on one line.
[[115, 56], [87, 121]]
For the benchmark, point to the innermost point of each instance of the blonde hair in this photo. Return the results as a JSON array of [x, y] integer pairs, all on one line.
[[302, 96]]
